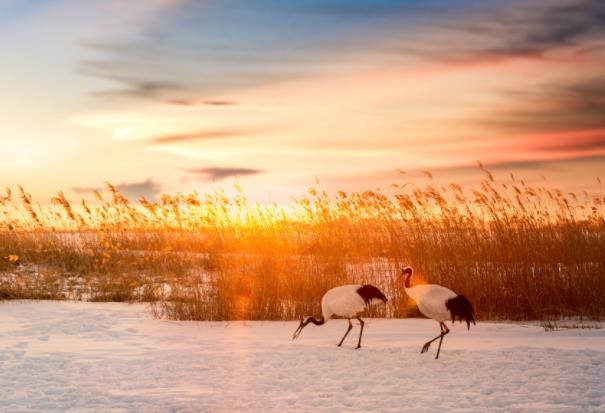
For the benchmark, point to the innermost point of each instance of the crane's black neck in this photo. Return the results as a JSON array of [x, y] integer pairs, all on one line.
[[304, 322], [319, 322], [408, 276]]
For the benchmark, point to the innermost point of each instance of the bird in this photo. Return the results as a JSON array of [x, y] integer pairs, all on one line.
[[345, 301], [439, 303]]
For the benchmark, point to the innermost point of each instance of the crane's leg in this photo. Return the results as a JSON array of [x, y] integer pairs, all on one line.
[[347, 333], [444, 331], [360, 332], [426, 346]]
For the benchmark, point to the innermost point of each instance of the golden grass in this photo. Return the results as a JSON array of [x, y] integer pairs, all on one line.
[[517, 251]]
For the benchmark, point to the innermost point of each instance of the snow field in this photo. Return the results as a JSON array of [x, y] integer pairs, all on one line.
[[112, 357]]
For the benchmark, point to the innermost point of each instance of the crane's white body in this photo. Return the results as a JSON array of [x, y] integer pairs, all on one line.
[[343, 301], [346, 301], [431, 299], [439, 303]]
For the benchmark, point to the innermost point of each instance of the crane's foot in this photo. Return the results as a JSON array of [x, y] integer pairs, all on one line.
[[425, 348], [357, 348]]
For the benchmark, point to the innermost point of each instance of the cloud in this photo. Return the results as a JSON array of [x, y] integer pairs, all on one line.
[[86, 189], [208, 48], [544, 164], [578, 104], [131, 190], [137, 87], [530, 30], [196, 136], [201, 102], [559, 25], [595, 143], [134, 190], [552, 164], [218, 173]]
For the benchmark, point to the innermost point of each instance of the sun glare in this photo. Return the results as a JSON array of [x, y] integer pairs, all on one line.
[[22, 153]]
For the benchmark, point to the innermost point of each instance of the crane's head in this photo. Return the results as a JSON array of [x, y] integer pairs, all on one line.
[[300, 327], [304, 321], [406, 273]]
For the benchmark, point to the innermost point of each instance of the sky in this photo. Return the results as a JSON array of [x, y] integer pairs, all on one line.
[[167, 95]]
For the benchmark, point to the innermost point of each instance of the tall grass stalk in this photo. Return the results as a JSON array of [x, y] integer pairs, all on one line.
[[517, 251]]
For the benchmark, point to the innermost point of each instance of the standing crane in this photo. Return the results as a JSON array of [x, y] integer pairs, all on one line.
[[440, 304], [346, 301]]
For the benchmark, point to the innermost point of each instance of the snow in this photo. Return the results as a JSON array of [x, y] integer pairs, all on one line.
[[112, 357]]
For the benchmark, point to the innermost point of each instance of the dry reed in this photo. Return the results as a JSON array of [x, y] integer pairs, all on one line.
[[518, 251]]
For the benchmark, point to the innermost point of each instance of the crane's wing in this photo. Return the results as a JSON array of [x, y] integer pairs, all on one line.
[[343, 301], [431, 300]]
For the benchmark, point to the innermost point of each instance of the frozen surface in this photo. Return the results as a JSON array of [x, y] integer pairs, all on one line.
[[92, 357]]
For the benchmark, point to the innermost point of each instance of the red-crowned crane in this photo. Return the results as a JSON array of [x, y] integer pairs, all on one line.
[[346, 301], [440, 304]]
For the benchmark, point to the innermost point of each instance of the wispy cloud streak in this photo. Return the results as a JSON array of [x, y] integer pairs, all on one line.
[[219, 173], [571, 105], [199, 136], [148, 188]]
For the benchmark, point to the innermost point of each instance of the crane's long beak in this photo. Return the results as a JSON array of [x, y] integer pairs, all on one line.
[[299, 329]]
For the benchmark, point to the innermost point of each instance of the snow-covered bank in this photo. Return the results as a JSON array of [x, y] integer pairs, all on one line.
[[92, 357]]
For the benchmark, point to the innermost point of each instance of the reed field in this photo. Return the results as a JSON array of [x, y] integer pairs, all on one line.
[[518, 251]]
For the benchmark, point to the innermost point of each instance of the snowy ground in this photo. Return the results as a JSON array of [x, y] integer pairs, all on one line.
[[92, 357]]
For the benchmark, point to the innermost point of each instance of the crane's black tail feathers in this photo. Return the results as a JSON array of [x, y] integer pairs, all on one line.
[[461, 309], [369, 293]]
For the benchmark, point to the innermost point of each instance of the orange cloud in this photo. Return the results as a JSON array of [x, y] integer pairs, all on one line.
[[202, 135]]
